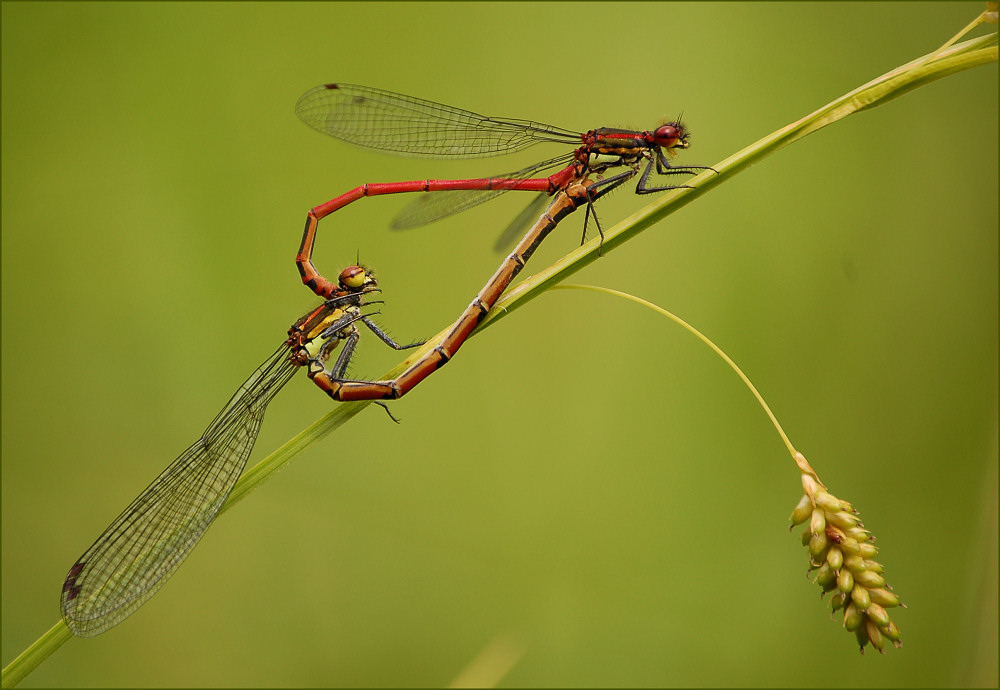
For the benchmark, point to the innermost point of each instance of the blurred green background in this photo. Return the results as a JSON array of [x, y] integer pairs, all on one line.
[[585, 482]]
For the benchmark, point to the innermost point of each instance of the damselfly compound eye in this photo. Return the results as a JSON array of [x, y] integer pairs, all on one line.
[[353, 277], [668, 135]]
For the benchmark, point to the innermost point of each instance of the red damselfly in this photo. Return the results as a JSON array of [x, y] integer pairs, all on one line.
[[405, 125], [146, 544], [410, 126]]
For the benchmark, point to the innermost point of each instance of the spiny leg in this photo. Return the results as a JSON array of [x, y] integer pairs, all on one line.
[[595, 191], [385, 338], [663, 167]]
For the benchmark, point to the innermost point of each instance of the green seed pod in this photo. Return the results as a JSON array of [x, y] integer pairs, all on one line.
[[802, 511], [858, 534], [855, 563], [806, 536], [845, 581], [878, 614], [818, 544], [825, 575], [843, 520], [875, 636], [867, 550], [847, 507], [859, 595], [861, 635], [892, 632], [849, 546], [869, 579], [827, 502], [817, 525], [836, 602], [875, 567], [853, 617], [883, 598], [835, 557]]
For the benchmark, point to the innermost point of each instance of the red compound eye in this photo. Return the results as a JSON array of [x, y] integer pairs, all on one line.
[[668, 135]]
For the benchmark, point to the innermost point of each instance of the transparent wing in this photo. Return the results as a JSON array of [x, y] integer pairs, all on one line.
[[427, 208], [414, 127], [520, 225], [146, 544]]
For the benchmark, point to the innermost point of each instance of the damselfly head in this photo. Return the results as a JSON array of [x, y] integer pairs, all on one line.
[[671, 135], [357, 278]]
